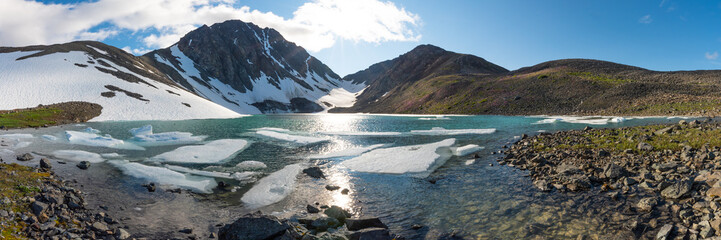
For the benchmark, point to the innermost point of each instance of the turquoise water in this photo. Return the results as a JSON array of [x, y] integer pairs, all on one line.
[[477, 199]]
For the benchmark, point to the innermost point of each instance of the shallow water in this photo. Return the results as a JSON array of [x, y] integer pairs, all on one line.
[[474, 199]]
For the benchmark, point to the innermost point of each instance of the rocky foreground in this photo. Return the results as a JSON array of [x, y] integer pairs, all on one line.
[[663, 181], [34, 204]]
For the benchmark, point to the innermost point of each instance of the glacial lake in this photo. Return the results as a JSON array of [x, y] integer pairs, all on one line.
[[404, 169]]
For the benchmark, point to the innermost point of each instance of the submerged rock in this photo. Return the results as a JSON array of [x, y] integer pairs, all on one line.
[[337, 213], [83, 165], [253, 226], [25, 157], [314, 172], [371, 234], [363, 223]]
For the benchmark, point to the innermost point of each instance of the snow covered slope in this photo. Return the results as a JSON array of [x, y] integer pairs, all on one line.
[[253, 70], [125, 86]]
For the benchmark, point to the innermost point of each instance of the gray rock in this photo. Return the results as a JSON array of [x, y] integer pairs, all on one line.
[[371, 234], [83, 165], [99, 226], [324, 223], [253, 226], [45, 163], [706, 230], [542, 185], [337, 213], [642, 146], [122, 234], [345, 191], [25, 157], [614, 171], [332, 187], [38, 208], [363, 223], [664, 231], [677, 190], [314, 172], [312, 209], [664, 131], [647, 204]]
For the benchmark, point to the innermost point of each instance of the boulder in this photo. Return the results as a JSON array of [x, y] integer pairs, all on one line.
[[331, 187], [663, 131], [25, 157], [371, 234], [664, 232], [122, 234], [677, 190], [614, 171], [312, 209], [642, 146], [324, 223], [363, 223], [38, 208], [45, 163], [337, 213], [314, 172], [253, 226], [647, 204], [83, 165]]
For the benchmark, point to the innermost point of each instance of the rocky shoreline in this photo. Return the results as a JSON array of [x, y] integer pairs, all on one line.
[[661, 181], [36, 204]]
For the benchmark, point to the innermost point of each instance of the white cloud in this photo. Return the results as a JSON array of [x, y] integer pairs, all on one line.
[[711, 56], [315, 25], [136, 51], [646, 19]]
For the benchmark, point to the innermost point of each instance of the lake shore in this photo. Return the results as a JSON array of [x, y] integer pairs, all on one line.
[[657, 181]]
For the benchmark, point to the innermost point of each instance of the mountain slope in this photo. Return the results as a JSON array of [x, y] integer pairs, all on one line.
[[570, 86], [126, 87], [252, 70], [393, 77]]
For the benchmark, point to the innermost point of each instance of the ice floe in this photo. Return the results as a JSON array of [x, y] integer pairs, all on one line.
[[465, 150], [422, 158], [78, 155], [212, 152], [240, 176], [362, 133], [443, 131], [164, 176], [95, 140], [17, 136], [349, 152], [251, 165], [144, 136], [273, 129], [291, 138], [592, 120], [50, 137], [469, 162], [111, 155], [434, 118], [272, 188]]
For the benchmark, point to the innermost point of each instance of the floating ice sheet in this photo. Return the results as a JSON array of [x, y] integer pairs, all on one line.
[[251, 165], [272, 188], [165, 176], [434, 118], [17, 136], [291, 138], [363, 133], [465, 150], [443, 131], [144, 136], [50, 137], [212, 152], [78, 155], [591, 120], [95, 140], [422, 158], [349, 152]]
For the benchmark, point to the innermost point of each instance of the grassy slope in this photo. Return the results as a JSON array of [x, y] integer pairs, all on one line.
[[55, 114], [563, 88]]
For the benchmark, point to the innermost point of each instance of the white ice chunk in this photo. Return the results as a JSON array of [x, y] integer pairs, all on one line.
[[434, 118], [465, 150], [251, 165], [78, 155], [111, 155], [469, 162], [244, 176], [406, 159], [92, 139], [291, 138], [273, 129], [212, 152], [362, 133], [50, 137], [443, 131], [165, 176], [273, 188], [592, 120], [349, 152], [91, 130], [199, 172], [144, 136], [17, 136]]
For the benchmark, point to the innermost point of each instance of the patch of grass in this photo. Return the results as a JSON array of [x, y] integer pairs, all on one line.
[[600, 78], [678, 107], [29, 118], [618, 140], [16, 183]]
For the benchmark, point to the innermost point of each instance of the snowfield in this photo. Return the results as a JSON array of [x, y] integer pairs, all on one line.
[[55, 78]]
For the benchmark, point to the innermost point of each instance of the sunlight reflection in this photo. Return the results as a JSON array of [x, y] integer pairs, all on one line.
[[338, 122], [341, 179]]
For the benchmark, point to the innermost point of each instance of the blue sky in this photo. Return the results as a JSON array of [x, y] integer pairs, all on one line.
[[658, 35]]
